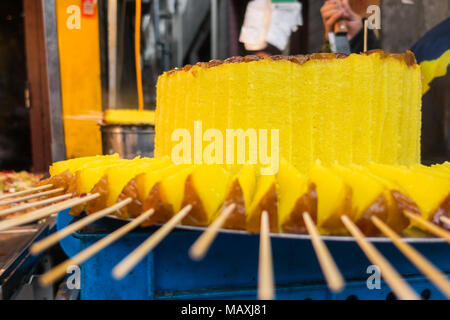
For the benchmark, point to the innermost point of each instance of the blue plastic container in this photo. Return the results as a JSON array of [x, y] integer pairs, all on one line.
[[230, 268]]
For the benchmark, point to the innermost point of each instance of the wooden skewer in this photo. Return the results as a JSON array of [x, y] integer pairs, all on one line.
[[265, 269], [61, 269], [445, 220], [34, 204], [44, 212], [40, 246], [20, 193], [201, 246], [32, 196], [365, 35], [394, 280], [330, 270], [128, 263], [431, 227], [428, 269]]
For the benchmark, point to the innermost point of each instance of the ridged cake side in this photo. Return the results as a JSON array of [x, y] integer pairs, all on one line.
[[350, 109]]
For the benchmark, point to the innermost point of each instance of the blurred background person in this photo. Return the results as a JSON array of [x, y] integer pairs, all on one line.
[[334, 11]]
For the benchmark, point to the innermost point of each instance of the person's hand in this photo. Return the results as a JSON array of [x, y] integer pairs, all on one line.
[[334, 10], [354, 22]]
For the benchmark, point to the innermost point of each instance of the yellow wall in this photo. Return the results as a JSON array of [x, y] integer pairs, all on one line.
[[79, 54]]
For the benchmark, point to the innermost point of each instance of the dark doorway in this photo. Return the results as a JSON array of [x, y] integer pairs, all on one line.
[[15, 145]]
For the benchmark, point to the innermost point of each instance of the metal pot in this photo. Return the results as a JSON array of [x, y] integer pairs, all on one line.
[[128, 141]]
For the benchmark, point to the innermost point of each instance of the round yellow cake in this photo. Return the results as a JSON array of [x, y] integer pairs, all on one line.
[[359, 108]]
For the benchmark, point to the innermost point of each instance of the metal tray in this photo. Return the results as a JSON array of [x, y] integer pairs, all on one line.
[[418, 236]]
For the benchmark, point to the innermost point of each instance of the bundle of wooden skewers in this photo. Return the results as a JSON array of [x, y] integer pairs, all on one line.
[[361, 201]]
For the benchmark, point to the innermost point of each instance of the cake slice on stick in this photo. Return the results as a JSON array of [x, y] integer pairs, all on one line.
[[368, 198], [114, 180], [61, 180], [263, 217], [87, 176], [62, 172], [443, 212], [296, 196], [73, 165], [429, 194], [140, 187], [241, 191], [235, 206], [203, 192], [233, 212], [298, 214], [334, 199], [166, 193], [165, 198], [265, 199], [395, 199], [175, 180]]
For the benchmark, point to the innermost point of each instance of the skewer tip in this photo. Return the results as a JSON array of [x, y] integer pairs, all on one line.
[[200, 247], [334, 278], [266, 290]]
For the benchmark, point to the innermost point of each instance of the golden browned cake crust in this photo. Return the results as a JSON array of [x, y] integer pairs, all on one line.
[[408, 57]]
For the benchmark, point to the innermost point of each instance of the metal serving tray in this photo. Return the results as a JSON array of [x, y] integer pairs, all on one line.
[[416, 237], [16, 262]]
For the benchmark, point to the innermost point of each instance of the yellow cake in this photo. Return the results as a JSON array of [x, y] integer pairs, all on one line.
[[87, 176], [366, 190], [358, 109], [74, 164], [428, 191], [325, 192], [173, 186], [166, 194], [240, 193], [334, 198], [292, 187], [265, 198], [113, 181], [147, 180], [205, 190]]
